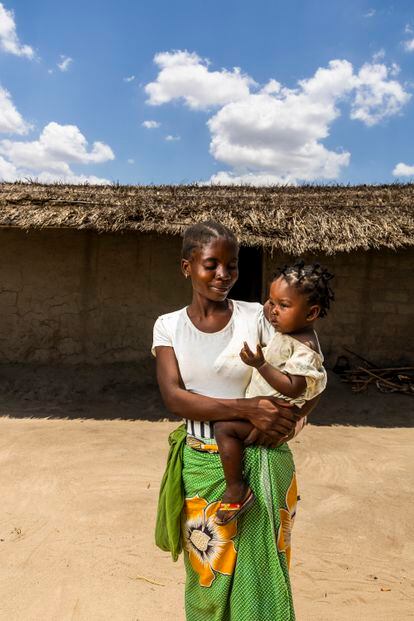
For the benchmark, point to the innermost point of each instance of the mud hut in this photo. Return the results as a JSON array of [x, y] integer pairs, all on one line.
[[84, 270]]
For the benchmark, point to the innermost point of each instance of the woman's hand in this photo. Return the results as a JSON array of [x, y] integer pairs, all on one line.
[[272, 418], [274, 439], [263, 439], [259, 438]]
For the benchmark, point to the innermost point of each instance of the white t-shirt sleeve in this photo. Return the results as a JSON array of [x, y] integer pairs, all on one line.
[[161, 335]]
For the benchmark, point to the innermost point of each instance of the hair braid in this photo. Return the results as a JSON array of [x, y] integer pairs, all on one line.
[[202, 233]]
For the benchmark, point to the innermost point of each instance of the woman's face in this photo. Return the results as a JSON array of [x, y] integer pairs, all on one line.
[[213, 268]]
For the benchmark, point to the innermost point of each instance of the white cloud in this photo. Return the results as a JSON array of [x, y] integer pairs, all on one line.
[[376, 96], [370, 13], [408, 29], [227, 178], [403, 170], [9, 41], [151, 124], [49, 158], [71, 178], [394, 69], [276, 138], [129, 78], [409, 45], [184, 75], [65, 62], [380, 55], [275, 134], [8, 172], [131, 161], [11, 120], [171, 138]]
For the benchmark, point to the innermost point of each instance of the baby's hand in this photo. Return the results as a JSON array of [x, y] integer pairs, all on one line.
[[253, 360]]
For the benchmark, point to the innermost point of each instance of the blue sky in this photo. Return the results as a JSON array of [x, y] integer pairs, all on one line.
[[147, 92]]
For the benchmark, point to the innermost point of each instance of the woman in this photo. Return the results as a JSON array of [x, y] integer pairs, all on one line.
[[236, 572]]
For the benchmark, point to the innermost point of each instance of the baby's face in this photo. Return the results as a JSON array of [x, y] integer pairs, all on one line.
[[289, 308]]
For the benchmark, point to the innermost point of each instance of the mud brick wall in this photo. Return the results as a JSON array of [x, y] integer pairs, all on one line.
[[373, 313], [69, 296]]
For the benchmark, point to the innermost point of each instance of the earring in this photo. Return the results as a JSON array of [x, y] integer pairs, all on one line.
[[186, 275]]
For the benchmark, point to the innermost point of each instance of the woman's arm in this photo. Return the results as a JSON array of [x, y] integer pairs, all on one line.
[[262, 412]]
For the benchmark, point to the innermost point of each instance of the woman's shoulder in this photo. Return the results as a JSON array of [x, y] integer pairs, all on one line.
[[250, 315], [172, 316], [248, 308], [165, 327], [169, 321]]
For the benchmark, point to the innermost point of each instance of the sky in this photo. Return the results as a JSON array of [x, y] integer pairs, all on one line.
[[235, 92]]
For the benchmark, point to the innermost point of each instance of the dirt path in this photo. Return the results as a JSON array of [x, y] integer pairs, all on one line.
[[78, 504]]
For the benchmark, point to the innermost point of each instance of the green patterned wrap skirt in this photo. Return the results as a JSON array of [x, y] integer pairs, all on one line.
[[240, 571]]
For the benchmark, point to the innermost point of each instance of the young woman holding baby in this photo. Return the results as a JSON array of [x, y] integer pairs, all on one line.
[[237, 521]]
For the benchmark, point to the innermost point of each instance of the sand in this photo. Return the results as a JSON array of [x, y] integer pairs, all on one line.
[[78, 501]]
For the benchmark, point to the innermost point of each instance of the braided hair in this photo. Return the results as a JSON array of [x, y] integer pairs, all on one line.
[[201, 233], [312, 280]]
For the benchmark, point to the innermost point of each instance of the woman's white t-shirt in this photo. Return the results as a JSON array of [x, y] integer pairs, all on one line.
[[210, 363]]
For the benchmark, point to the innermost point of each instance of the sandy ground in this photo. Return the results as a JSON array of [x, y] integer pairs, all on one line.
[[78, 501]]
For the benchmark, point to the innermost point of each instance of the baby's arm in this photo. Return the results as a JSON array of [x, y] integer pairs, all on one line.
[[289, 385]]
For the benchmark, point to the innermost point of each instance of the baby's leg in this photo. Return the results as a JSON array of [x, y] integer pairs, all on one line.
[[230, 436]]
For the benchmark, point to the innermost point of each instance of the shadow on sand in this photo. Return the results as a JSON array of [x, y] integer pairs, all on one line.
[[62, 398]]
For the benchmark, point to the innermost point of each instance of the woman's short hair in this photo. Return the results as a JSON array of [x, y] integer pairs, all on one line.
[[198, 235]]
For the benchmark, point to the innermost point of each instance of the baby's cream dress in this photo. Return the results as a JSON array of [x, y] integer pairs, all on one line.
[[289, 355]]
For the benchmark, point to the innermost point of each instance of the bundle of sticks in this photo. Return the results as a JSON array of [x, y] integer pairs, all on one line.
[[386, 379]]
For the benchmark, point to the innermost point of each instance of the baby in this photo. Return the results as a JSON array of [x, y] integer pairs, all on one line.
[[289, 368]]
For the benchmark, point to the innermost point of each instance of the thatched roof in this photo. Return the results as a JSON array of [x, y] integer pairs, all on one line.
[[325, 219]]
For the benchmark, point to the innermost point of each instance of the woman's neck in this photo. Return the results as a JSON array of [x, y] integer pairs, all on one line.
[[202, 307]]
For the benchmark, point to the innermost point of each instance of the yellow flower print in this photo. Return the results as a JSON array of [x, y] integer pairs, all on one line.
[[209, 546], [287, 518]]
